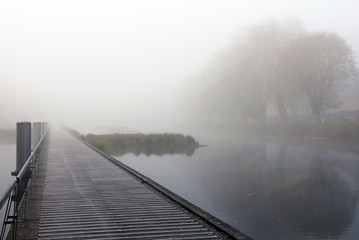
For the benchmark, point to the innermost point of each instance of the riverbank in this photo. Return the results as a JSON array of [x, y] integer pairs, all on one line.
[[340, 131], [321, 130], [7, 136]]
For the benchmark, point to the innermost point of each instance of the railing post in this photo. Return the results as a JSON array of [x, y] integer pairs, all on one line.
[[23, 143], [36, 133], [45, 126]]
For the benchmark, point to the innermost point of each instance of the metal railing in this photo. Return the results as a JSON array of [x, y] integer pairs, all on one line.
[[13, 197]]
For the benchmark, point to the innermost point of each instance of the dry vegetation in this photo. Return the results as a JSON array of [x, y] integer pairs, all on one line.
[[148, 144], [310, 129]]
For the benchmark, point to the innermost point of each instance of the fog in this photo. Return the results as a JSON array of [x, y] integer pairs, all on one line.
[[113, 65]]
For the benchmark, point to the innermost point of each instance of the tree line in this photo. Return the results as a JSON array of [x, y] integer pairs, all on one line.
[[278, 66]]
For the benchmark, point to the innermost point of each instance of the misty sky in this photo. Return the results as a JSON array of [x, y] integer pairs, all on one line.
[[112, 64]]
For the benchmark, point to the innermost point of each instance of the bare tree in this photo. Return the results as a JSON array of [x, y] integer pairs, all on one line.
[[243, 80], [321, 64], [255, 70], [270, 39]]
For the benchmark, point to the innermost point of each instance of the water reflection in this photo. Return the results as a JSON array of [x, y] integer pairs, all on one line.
[[273, 186], [158, 149], [7, 164], [322, 203], [268, 190]]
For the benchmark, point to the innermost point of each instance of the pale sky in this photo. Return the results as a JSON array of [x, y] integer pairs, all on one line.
[[95, 64]]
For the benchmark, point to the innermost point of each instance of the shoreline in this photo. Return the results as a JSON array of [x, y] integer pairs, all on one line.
[[335, 131]]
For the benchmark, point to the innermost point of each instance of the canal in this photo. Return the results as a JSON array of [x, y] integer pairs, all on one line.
[[268, 188], [7, 163]]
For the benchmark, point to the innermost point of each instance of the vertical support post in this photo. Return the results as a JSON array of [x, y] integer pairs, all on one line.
[[41, 129], [36, 133], [44, 127], [23, 143]]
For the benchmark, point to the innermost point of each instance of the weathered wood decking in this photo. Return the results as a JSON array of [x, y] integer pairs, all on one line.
[[79, 194]]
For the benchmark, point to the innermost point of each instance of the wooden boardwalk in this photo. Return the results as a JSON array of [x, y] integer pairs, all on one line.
[[80, 194]]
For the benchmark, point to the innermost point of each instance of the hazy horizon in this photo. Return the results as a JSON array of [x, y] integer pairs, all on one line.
[[130, 65]]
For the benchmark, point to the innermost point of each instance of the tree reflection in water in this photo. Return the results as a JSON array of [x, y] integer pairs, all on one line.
[[322, 203], [270, 188], [153, 149]]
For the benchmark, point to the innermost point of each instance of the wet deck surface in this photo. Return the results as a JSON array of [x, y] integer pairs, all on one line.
[[81, 195]]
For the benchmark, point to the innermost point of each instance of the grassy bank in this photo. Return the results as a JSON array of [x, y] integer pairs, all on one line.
[[310, 129], [333, 130]]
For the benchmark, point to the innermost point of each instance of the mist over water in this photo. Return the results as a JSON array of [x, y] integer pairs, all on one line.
[[267, 188], [131, 66], [193, 67], [7, 163]]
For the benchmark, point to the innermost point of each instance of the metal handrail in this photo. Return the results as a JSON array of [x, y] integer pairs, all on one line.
[[7, 193], [14, 193]]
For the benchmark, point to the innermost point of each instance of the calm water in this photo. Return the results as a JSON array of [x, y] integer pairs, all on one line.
[[268, 189], [7, 165]]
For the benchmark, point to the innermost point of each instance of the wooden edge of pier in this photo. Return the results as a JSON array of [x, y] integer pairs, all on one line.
[[212, 220]]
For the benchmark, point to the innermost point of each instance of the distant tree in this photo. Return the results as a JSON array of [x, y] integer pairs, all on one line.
[[267, 42], [252, 72], [321, 64], [216, 100]]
